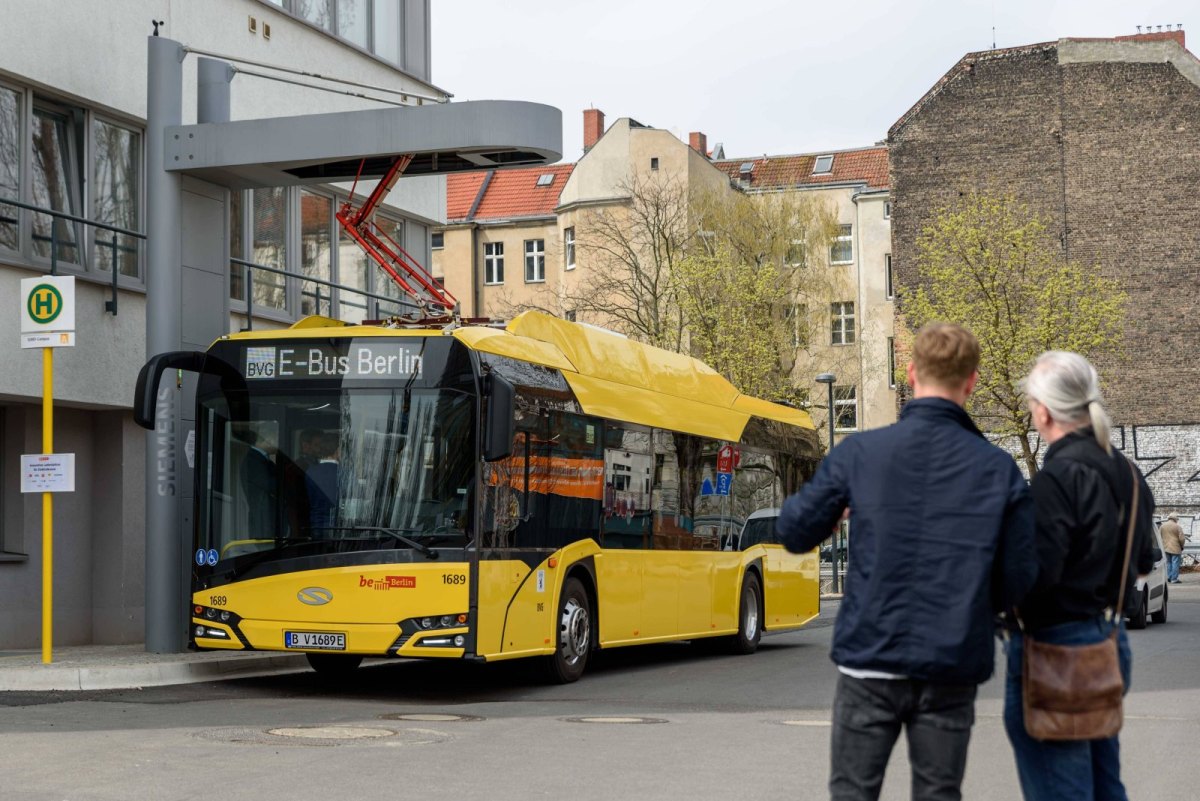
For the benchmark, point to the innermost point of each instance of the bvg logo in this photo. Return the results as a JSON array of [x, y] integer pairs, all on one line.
[[45, 304], [315, 596]]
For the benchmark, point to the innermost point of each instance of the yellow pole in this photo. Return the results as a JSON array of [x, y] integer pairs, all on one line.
[[47, 507]]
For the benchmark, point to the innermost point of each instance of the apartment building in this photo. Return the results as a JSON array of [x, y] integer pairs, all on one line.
[[1099, 138], [849, 332], [529, 238]]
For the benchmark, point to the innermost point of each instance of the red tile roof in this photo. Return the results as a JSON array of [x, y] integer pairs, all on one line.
[[868, 165], [461, 190], [510, 194]]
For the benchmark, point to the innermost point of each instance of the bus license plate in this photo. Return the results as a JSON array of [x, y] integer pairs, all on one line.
[[314, 640]]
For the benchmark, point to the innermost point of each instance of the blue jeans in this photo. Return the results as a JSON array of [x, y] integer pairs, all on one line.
[[1086, 770], [1174, 560]]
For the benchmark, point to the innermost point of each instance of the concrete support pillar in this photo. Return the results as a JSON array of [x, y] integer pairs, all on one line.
[[165, 617], [212, 91]]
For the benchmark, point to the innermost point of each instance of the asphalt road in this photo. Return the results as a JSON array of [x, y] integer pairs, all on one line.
[[752, 727]]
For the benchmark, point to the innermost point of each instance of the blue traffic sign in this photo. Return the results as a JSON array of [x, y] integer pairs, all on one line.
[[724, 483]]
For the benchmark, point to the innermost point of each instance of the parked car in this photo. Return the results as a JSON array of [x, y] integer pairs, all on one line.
[[1150, 593]]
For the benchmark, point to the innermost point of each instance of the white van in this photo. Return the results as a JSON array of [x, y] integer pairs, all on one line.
[[1150, 601]]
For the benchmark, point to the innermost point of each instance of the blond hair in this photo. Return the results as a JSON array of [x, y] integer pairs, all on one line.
[[945, 354]]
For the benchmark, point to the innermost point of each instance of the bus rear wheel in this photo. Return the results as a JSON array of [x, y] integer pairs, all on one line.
[[334, 665], [749, 617], [573, 644]]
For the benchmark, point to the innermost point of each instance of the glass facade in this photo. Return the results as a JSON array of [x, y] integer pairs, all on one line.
[[72, 160], [294, 229], [315, 256], [394, 30], [116, 187], [10, 165]]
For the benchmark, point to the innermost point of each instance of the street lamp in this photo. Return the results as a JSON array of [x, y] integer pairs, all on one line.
[[827, 379]]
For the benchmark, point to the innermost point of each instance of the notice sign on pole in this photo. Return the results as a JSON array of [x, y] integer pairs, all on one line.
[[48, 312], [48, 472]]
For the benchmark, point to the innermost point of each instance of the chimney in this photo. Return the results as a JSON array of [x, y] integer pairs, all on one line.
[[698, 142], [1156, 36], [593, 127]]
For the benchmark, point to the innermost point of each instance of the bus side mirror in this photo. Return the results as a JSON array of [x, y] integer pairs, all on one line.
[[498, 436], [145, 396]]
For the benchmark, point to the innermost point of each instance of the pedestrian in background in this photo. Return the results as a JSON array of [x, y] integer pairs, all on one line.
[[1083, 496], [943, 541], [1173, 539]]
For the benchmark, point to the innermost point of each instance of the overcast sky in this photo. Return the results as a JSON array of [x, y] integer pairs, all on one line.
[[760, 76]]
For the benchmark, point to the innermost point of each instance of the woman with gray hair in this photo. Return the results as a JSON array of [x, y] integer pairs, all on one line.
[[1082, 496]]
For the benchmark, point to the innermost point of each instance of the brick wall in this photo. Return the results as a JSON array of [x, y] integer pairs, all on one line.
[[1109, 155]]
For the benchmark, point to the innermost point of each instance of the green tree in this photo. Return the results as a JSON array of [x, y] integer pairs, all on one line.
[[755, 266], [989, 265]]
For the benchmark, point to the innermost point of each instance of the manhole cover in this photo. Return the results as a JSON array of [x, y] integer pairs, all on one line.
[[332, 732], [808, 723], [326, 736], [615, 719], [430, 717]]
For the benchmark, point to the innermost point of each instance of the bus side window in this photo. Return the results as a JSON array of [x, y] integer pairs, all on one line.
[[629, 466]]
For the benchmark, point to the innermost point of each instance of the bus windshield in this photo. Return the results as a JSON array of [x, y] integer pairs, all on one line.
[[332, 470]]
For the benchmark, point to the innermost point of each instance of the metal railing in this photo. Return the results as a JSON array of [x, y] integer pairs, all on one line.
[[110, 305], [248, 268]]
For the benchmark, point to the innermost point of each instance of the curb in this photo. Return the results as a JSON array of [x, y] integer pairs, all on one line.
[[68, 678]]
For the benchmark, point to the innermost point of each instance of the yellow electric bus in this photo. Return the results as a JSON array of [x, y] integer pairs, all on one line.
[[541, 490]]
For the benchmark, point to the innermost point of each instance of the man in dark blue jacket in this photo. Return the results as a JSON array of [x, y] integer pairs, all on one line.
[[942, 541]]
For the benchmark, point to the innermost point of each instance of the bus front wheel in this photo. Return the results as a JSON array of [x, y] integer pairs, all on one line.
[[574, 641], [334, 665]]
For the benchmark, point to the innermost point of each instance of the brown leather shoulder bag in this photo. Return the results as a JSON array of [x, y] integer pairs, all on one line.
[[1075, 692]]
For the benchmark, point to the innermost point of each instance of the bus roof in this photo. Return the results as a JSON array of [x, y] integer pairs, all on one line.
[[610, 375]]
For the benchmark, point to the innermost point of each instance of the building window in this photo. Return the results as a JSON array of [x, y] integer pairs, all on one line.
[[889, 287], [263, 222], [842, 249], [55, 178], [845, 408], [316, 261], [796, 316], [268, 246], [437, 240], [569, 316], [545, 179], [887, 209], [823, 165], [797, 253], [493, 262], [654, 163], [535, 260], [116, 194], [891, 363], [354, 22], [377, 27], [10, 166], [842, 323], [569, 246], [71, 160]]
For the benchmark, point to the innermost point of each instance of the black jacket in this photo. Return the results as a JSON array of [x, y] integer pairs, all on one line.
[[941, 539], [1081, 495]]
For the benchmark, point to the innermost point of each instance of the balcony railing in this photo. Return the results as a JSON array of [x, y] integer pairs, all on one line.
[[113, 244]]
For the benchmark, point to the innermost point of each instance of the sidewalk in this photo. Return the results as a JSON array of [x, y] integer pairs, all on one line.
[[114, 667]]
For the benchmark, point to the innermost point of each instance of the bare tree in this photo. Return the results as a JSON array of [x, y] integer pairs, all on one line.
[[633, 251]]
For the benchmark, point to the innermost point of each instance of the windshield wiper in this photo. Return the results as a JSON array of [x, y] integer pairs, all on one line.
[[394, 533], [271, 553]]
